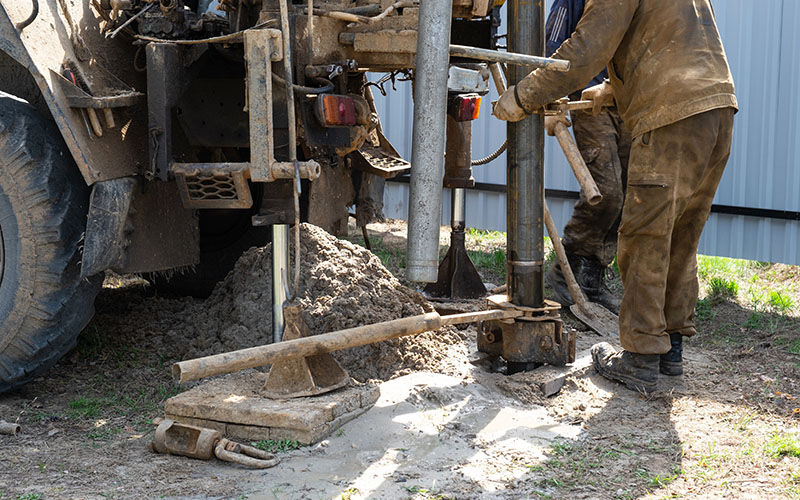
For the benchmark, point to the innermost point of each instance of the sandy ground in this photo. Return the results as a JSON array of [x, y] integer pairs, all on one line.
[[443, 427]]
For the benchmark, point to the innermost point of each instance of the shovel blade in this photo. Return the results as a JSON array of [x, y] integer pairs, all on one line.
[[597, 317]]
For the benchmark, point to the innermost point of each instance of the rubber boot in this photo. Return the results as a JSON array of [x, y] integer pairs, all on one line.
[[555, 278], [592, 280], [671, 363], [639, 372]]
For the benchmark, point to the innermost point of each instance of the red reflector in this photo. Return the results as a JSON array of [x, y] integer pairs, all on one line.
[[336, 110], [466, 107]]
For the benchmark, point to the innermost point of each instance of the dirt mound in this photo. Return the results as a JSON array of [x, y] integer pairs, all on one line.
[[342, 285]]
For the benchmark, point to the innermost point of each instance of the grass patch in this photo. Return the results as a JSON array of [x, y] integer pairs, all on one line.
[[489, 263], [29, 496], [709, 266], [723, 288], [86, 407], [277, 446], [794, 347], [782, 444], [703, 310], [780, 302]]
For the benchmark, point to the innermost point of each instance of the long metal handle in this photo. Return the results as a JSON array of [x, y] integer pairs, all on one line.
[[574, 289], [532, 62], [579, 168], [252, 357]]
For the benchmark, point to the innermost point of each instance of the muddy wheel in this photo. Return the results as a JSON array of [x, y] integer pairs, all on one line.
[[224, 236], [44, 303]]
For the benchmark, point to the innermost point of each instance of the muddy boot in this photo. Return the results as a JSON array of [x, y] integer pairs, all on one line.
[[671, 363], [639, 372], [592, 280], [555, 278]]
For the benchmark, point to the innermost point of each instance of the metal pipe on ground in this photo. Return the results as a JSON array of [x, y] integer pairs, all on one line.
[[525, 169], [428, 141], [9, 428], [218, 364]]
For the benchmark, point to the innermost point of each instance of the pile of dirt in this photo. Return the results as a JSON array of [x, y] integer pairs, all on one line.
[[342, 285]]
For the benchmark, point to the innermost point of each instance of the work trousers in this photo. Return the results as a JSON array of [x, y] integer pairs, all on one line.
[[673, 176], [605, 145]]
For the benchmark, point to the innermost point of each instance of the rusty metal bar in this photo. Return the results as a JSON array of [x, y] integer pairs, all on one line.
[[513, 58], [217, 364]]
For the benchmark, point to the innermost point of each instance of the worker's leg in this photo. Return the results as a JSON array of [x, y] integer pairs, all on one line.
[[695, 197], [673, 174]]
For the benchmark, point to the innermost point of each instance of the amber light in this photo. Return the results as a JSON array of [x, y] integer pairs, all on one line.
[[466, 108], [337, 111]]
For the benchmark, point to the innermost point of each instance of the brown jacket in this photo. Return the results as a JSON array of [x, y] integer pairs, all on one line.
[[665, 61]]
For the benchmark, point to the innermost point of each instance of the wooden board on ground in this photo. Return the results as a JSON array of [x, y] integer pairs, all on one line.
[[233, 405]]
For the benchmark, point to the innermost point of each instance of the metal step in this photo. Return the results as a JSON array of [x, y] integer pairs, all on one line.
[[213, 185]]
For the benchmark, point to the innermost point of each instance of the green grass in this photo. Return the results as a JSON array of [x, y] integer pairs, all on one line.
[[781, 444], [710, 266], [489, 263], [87, 407], [703, 310], [723, 288], [794, 347], [29, 496], [277, 446], [780, 302]]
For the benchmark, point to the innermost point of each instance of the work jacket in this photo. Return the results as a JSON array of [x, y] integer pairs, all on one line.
[[665, 61], [561, 22]]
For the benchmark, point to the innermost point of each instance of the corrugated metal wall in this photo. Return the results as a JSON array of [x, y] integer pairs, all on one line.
[[762, 40]]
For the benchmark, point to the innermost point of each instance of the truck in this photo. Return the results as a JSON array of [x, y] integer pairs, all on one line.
[[165, 137]]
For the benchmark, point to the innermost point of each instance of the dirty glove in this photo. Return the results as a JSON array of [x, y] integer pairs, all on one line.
[[602, 95], [508, 107], [551, 121]]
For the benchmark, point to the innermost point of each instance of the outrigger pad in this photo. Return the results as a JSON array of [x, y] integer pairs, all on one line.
[[301, 377]]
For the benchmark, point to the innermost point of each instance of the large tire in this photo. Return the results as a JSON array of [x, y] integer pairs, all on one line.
[[44, 303]]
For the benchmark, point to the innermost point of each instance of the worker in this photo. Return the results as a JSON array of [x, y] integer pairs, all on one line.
[[590, 236], [674, 90]]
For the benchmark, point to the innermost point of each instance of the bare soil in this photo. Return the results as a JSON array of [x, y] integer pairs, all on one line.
[[716, 432]]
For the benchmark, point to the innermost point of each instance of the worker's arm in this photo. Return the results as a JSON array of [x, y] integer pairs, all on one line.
[[589, 50]]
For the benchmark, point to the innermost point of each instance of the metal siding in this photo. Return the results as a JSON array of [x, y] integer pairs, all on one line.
[[763, 172]]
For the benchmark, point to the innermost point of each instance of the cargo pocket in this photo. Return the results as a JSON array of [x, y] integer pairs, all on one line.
[[648, 204]]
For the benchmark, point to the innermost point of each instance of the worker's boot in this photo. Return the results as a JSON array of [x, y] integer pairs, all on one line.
[[671, 363], [639, 372], [555, 278], [592, 280]]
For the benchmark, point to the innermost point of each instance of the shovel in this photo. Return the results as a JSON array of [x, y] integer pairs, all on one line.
[[595, 316]]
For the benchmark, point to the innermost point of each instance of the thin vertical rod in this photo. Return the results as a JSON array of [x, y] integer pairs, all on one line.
[[428, 140], [458, 206], [525, 168], [280, 270]]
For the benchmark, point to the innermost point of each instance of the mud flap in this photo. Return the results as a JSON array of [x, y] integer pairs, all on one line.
[[104, 242]]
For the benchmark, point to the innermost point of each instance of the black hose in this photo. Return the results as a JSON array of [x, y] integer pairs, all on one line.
[[24, 24], [327, 85], [484, 161]]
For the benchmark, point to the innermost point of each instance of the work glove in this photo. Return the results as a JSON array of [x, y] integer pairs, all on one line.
[[550, 122], [601, 95], [507, 108]]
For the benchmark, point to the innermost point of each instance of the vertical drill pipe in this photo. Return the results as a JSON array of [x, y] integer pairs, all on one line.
[[525, 168], [428, 140], [458, 206], [280, 270]]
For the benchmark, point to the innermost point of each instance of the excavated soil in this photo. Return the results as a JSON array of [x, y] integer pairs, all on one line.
[[342, 285]]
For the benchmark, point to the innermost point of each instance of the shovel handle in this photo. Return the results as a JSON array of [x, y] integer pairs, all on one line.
[[574, 289], [579, 168]]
